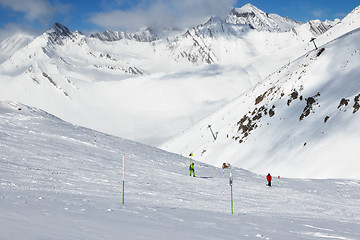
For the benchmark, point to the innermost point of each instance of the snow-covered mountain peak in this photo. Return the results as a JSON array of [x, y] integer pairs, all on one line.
[[318, 27], [259, 20], [60, 32], [248, 8]]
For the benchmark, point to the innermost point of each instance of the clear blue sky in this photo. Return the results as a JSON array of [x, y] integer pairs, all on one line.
[[99, 15]]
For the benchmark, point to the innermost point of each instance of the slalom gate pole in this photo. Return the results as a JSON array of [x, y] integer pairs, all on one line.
[[232, 203], [123, 196], [337, 187], [95, 138]]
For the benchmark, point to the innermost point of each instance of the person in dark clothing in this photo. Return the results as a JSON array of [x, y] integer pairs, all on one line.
[[192, 169], [268, 178]]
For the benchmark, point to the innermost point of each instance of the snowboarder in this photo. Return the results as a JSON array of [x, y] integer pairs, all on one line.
[[192, 169], [268, 178]]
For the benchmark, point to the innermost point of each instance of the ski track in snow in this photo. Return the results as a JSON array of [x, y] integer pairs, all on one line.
[[56, 184]]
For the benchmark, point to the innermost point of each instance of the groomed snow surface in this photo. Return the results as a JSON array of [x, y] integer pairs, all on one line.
[[56, 184]]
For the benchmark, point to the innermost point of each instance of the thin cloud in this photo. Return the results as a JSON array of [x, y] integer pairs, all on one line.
[[341, 15], [150, 13], [12, 28], [35, 10], [318, 13]]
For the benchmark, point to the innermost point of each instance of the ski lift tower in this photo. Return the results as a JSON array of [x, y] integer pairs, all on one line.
[[313, 40], [214, 135]]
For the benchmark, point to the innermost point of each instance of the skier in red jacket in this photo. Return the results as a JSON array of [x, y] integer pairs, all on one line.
[[268, 178]]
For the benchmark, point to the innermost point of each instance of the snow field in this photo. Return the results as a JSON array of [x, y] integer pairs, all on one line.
[[56, 184]]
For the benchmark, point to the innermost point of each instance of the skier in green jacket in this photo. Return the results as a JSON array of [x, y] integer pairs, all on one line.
[[192, 169]]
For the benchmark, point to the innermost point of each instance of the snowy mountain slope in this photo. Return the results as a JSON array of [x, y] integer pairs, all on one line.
[[11, 44], [147, 34], [73, 73], [301, 121], [60, 72], [352, 19], [259, 20], [339, 27], [147, 108], [130, 80], [56, 184], [248, 33]]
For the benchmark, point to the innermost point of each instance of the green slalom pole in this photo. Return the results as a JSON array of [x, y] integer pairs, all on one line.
[[123, 196], [232, 203]]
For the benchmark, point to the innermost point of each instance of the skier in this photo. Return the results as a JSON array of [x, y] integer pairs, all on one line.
[[268, 178], [192, 169], [225, 165]]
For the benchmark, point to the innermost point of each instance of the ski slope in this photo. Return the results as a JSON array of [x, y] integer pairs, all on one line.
[[56, 184]]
